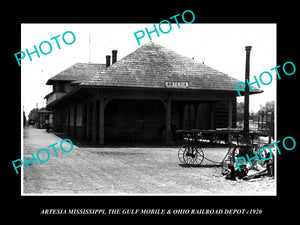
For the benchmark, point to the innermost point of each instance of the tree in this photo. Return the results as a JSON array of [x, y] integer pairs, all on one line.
[[240, 107], [24, 118], [32, 114], [269, 106]]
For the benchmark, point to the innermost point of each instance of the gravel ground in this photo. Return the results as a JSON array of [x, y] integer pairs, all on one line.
[[107, 170]]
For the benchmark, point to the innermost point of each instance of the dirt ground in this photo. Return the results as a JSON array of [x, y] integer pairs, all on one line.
[[108, 170]]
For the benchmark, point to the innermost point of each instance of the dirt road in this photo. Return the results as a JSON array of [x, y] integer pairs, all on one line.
[[126, 171]]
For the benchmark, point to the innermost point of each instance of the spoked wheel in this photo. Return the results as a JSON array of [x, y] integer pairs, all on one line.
[[266, 159], [262, 155], [237, 157], [260, 164], [191, 154], [239, 153], [181, 153]]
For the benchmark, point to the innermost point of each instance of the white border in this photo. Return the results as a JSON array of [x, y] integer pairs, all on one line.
[[155, 194]]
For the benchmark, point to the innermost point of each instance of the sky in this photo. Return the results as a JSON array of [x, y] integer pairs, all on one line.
[[220, 46]]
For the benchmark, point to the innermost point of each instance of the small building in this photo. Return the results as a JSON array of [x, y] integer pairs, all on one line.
[[145, 96], [44, 117]]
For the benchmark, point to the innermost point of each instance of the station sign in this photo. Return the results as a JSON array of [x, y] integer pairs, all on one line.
[[177, 84]]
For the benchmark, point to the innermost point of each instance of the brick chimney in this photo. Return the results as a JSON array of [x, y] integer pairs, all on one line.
[[114, 56], [107, 61]]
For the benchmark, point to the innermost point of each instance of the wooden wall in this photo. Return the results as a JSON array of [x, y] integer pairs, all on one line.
[[130, 118]]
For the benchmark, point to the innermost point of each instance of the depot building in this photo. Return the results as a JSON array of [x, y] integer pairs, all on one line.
[[145, 96]]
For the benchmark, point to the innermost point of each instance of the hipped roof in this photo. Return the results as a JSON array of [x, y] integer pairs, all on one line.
[[150, 66], [78, 72]]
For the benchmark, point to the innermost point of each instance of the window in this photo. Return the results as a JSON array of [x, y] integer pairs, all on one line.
[[59, 87]]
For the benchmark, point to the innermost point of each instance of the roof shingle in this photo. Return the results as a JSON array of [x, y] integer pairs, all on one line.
[[151, 65], [78, 72]]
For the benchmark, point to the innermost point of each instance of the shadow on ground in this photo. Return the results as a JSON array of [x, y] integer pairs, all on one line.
[[206, 165]]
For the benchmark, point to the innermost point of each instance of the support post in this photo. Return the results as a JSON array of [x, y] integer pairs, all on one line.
[[229, 137], [94, 124], [68, 120], [229, 114], [101, 120], [74, 121], [88, 121], [246, 101], [168, 122], [212, 117]]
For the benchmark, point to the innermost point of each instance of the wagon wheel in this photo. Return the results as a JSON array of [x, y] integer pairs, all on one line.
[[263, 153], [237, 152], [199, 155], [266, 154], [181, 153], [191, 154]]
